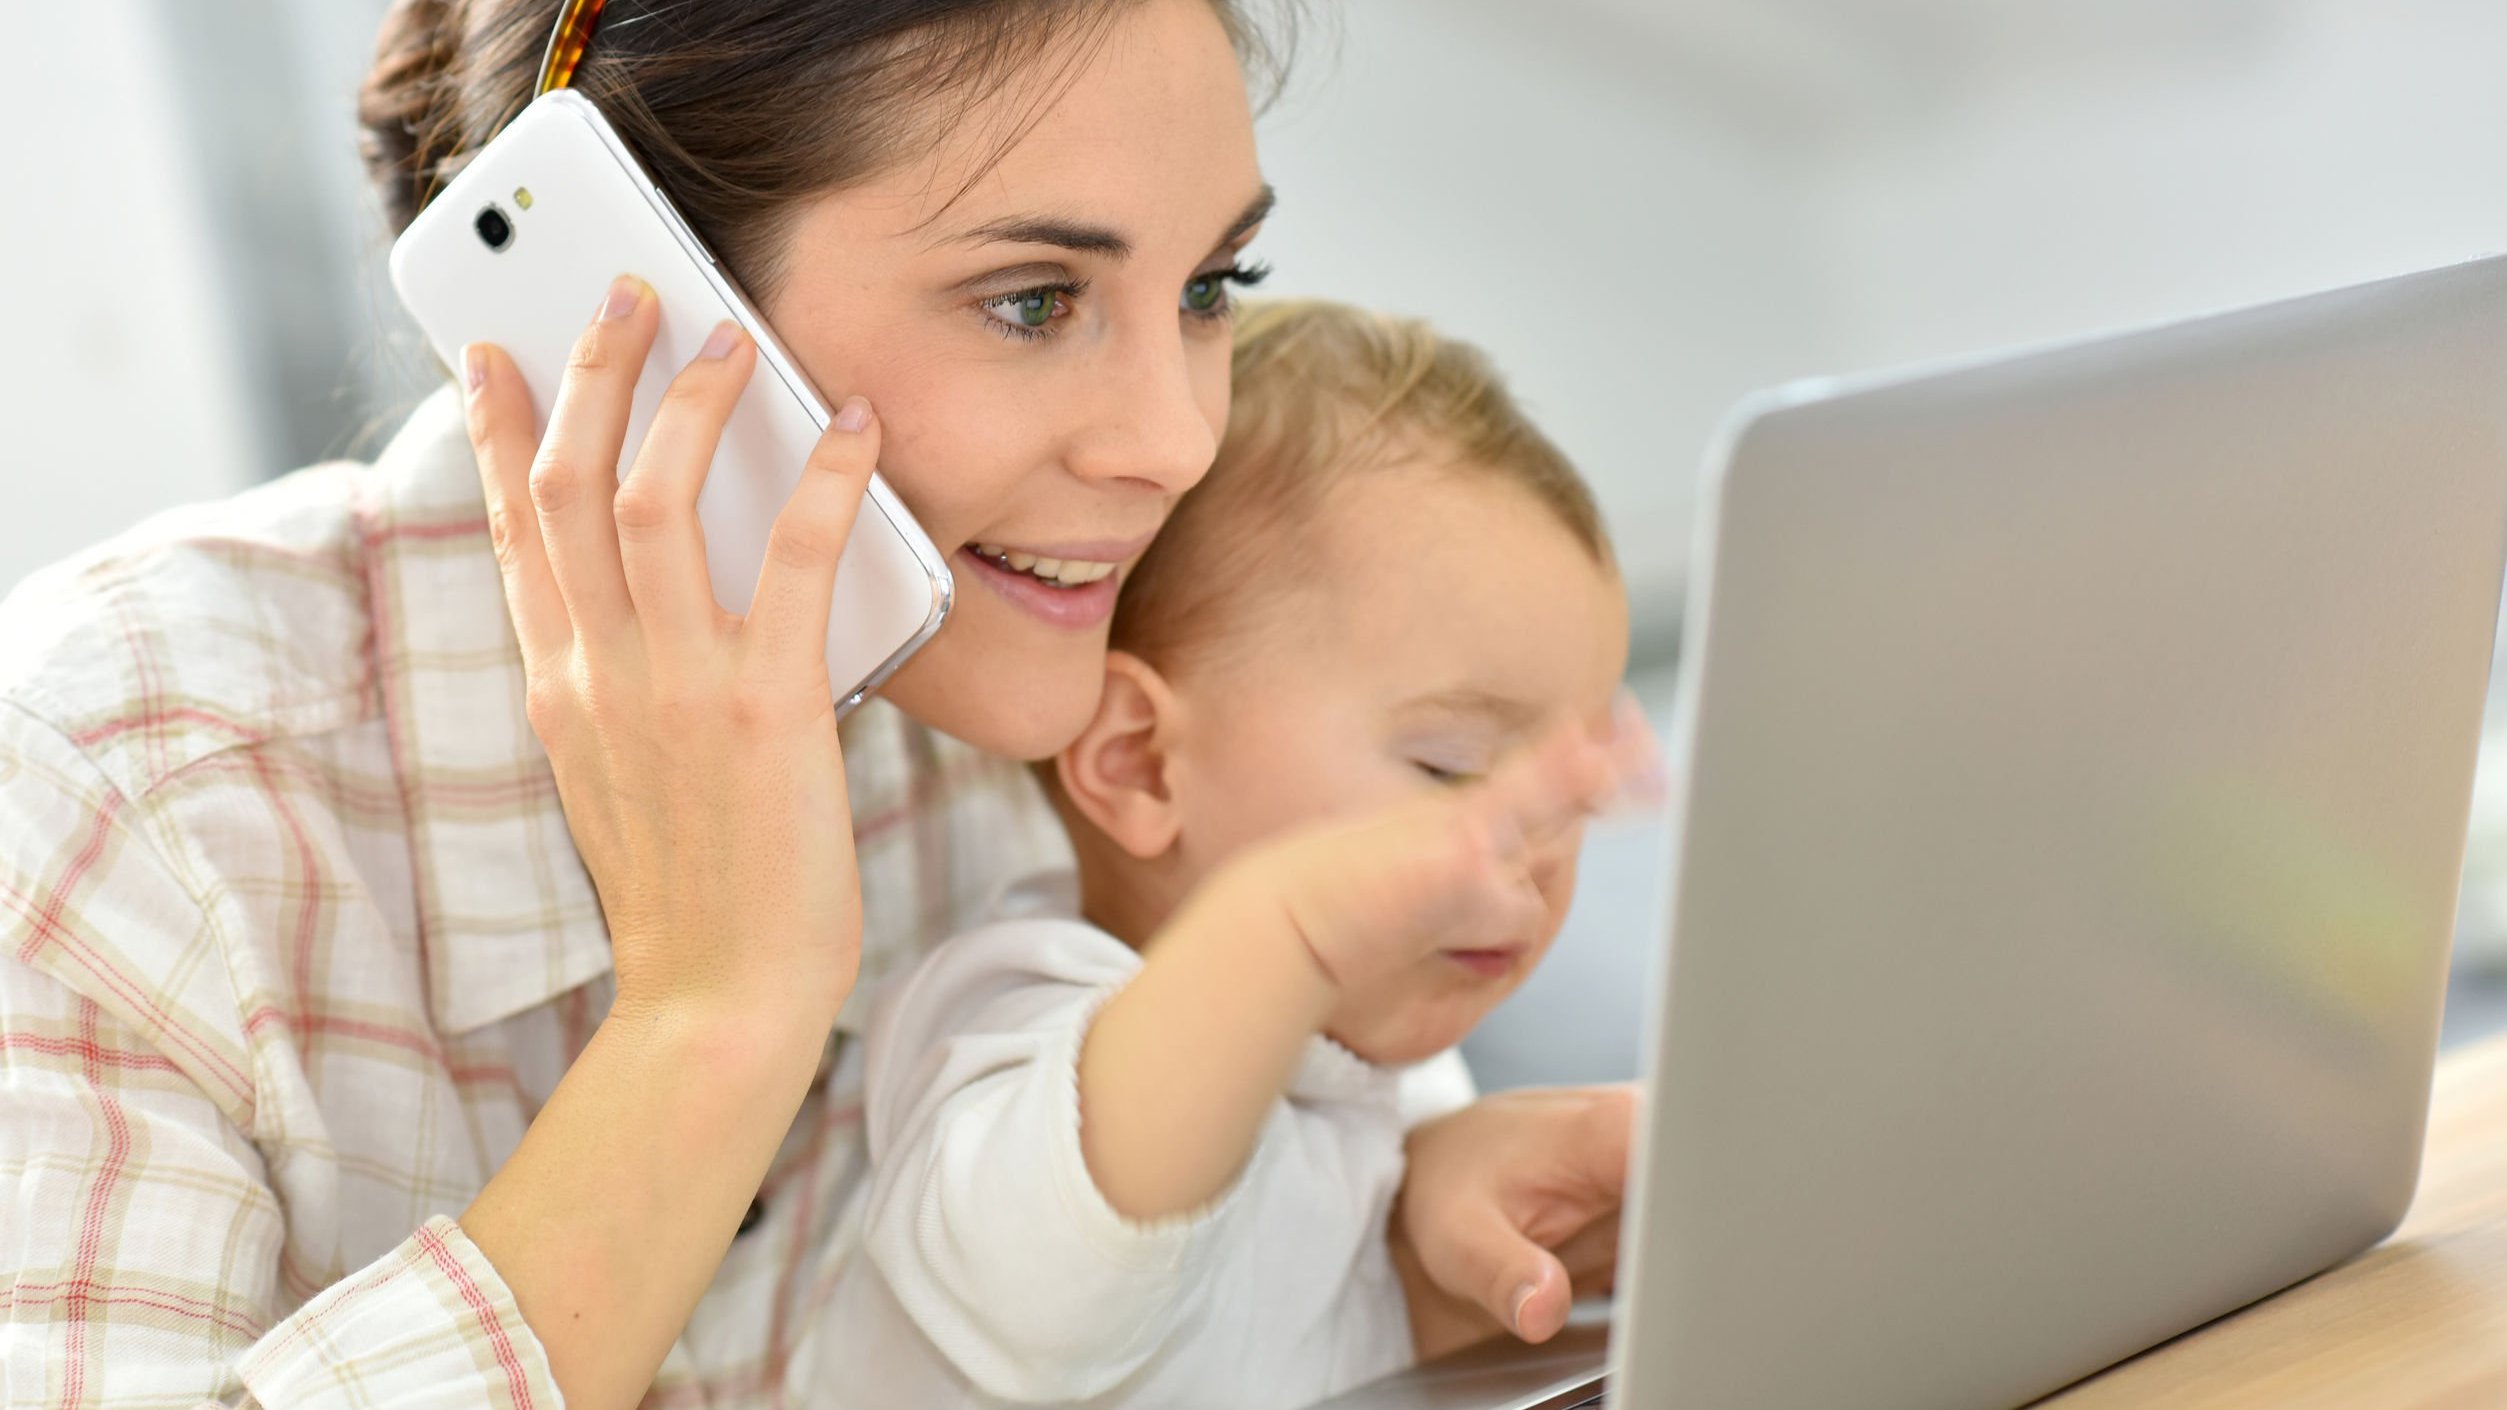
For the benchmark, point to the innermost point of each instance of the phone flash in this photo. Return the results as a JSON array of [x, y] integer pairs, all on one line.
[[522, 197]]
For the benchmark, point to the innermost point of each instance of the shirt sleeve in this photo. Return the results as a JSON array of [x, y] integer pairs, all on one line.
[[981, 1216], [141, 1242], [142, 1252]]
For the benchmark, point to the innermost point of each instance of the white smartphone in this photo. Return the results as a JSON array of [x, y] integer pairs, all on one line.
[[520, 249]]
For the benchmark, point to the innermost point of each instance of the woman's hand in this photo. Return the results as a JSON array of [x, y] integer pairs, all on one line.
[[695, 752], [1510, 1211], [696, 756]]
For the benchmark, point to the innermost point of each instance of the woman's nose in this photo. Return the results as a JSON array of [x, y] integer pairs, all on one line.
[[1152, 421]]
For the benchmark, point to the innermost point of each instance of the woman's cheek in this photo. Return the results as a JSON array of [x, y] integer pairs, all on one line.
[[915, 464], [1214, 383]]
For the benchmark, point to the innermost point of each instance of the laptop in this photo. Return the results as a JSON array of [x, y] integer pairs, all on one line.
[[2076, 751]]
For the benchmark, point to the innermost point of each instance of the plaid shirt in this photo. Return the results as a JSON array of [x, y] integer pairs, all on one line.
[[293, 945]]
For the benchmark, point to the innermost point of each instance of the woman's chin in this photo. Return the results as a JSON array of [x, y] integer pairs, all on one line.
[[1021, 699]]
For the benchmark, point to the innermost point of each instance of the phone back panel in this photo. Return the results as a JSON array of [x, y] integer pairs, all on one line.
[[592, 215]]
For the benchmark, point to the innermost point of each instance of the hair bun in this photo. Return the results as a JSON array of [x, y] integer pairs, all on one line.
[[407, 106]]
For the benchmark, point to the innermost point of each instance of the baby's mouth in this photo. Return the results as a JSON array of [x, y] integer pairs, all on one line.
[[1486, 964]]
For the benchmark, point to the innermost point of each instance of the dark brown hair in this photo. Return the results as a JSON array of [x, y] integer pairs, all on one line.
[[1325, 392], [742, 109]]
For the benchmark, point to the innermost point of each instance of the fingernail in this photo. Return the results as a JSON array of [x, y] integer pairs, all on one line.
[[726, 336], [854, 416], [1523, 1295], [624, 295], [473, 368]]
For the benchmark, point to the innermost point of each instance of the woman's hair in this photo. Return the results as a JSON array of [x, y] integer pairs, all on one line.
[[1325, 392], [742, 109]]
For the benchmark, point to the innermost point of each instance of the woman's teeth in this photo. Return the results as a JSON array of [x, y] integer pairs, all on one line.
[[1061, 572]]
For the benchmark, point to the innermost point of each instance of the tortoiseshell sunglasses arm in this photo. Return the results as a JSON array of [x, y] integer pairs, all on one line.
[[576, 20]]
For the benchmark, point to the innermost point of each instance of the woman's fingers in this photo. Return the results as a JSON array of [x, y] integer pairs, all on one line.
[[1502, 1199], [501, 437], [1523, 1285], [660, 545], [1591, 1256], [787, 622], [575, 478]]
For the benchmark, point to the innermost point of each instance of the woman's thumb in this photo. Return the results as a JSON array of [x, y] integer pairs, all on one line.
[[1538, 1297], [1517, 1282]]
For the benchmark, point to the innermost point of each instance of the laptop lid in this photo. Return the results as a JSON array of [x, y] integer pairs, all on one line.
[[2077, 752]]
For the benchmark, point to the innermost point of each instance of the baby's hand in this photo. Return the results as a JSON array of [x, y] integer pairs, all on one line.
[[1457, 871]]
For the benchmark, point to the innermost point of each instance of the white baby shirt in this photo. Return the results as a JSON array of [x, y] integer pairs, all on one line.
[[992, 1271]]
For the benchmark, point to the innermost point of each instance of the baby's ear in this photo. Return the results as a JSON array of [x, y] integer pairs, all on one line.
[[1116, 772]]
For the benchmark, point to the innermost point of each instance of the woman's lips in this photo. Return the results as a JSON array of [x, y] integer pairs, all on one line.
[[1082, 608]]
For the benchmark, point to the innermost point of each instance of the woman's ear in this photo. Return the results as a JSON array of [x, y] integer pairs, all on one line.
[[1117, 773]]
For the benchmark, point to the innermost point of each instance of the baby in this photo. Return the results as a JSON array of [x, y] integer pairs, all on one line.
[[1135, 1142]]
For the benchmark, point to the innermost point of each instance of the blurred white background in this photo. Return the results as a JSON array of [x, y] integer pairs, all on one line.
[[1644, 208]]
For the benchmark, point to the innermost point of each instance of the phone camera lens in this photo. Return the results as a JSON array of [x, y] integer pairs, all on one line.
[[495, 231]]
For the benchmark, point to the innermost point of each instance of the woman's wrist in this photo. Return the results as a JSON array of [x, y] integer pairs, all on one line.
[[731, 1033], [611, 1218]]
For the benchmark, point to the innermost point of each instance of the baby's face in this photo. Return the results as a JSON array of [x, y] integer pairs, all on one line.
[[1453, 615]]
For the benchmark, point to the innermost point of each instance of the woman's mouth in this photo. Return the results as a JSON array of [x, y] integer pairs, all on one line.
[[1074, 588]]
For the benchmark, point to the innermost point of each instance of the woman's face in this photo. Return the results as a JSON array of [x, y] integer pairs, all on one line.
[[1046, 348]]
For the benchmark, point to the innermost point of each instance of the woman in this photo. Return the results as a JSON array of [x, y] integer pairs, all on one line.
[[346, 890]]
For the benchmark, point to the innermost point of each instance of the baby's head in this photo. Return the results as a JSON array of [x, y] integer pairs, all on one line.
[[1388, 580]]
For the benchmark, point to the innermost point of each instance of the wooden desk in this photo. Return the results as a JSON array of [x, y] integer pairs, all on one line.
[[2417, 1323]]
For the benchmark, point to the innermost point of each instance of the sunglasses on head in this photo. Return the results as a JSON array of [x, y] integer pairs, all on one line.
[[576, 20]]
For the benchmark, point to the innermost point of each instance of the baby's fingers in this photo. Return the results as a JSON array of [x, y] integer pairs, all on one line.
[[1636, 760], [1574, 772]]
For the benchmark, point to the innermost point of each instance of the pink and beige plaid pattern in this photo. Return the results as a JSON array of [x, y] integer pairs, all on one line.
[[293, 944]]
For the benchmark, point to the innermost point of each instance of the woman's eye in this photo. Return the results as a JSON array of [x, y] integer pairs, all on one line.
[[1207, 294], [1029, 312], [1440, 774]]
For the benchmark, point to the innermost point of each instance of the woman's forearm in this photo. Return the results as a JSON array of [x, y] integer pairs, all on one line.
[[610, 1220], [1182, 1066], [703, 780]]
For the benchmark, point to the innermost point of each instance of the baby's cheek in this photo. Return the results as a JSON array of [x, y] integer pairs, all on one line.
[[1555, 874]]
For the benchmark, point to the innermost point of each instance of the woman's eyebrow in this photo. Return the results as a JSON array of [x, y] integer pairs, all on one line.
[[1080, 237], [1050, 230], [1256, 211]]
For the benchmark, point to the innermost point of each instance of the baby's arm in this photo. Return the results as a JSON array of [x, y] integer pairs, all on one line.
[[1182, 1066], [984, 1233], [979, 1216]]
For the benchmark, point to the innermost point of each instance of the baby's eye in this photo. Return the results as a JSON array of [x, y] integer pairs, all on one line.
[[1443, 776], [1029, 313]]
